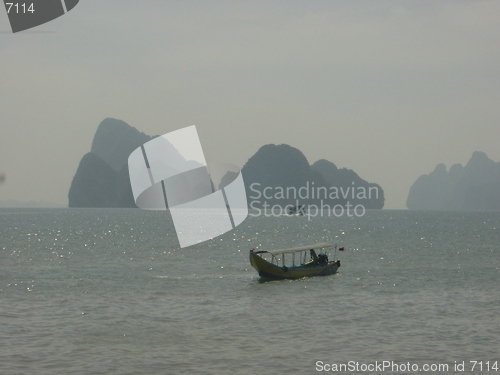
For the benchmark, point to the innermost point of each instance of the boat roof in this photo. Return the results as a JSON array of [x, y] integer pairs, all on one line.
[[321, 245]]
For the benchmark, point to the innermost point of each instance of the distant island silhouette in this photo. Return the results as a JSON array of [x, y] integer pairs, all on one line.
[[102, 178], [475, 187], [281, 175]]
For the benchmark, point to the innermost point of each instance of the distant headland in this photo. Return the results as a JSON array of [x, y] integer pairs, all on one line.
[[274, 175], [475, 187], [281, 175]]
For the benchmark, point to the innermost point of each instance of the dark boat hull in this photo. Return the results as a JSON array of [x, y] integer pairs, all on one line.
[[272, 271]]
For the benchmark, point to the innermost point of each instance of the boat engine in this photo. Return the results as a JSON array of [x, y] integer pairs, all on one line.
[[322, 259]]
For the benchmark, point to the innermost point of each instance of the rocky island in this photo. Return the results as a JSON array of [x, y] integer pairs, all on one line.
[[473, 187], [278, 174]]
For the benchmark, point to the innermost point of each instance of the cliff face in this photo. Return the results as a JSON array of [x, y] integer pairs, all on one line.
[[281, 175], [473, 187], [114, 140], [94, 184], [344, 178], [102, 178], [279, 165]]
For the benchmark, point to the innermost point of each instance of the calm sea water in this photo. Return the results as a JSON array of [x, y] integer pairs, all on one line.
[[108, 291]]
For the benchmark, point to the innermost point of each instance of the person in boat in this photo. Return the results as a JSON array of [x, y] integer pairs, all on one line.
[[314, 258], [317, 259]]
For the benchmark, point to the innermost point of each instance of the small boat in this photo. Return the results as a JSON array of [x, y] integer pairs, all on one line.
[[296, 262], [296, 210]]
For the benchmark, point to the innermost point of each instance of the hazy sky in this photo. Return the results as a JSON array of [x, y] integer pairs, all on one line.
[[387, 88]]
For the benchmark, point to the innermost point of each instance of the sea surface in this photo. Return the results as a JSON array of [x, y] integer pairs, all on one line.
[[109, 291]]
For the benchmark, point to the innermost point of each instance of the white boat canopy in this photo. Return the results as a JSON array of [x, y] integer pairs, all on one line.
[[321, 245]]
